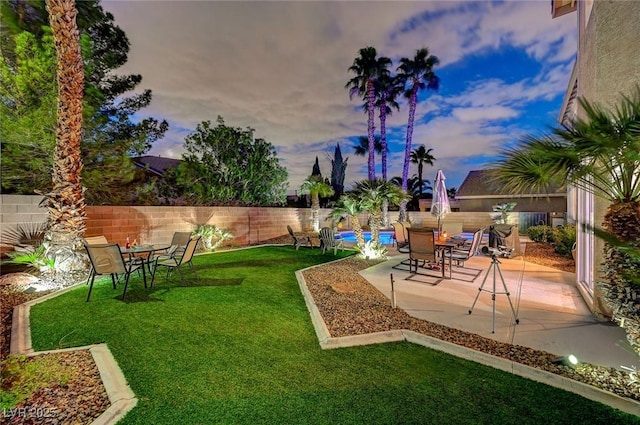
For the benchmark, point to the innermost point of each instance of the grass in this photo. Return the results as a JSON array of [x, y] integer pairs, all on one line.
[[238, 347]]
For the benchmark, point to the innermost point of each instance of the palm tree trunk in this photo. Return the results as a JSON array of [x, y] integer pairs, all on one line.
[[383, 138], [407, 150], [420, 181], [315, 212], [371, 129], [65, 203], [376, 221], [357, 231]]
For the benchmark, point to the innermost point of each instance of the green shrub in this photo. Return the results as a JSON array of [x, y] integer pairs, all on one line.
[[540, 233], [563, 238]]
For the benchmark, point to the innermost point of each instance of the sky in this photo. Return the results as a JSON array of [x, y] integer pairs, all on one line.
[[280, 67]]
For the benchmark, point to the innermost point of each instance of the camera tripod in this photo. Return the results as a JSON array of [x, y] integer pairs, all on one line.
[[495, 266]]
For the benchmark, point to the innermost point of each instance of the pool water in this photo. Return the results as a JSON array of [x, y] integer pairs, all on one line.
[[386, 238]]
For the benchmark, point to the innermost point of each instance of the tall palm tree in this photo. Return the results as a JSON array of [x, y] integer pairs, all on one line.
[[388, 88], [416, 74], [65, 202], [316, 187], [601, 154], [368, 69], [362, 147], [421, 156], [350, 205], [373, 194]]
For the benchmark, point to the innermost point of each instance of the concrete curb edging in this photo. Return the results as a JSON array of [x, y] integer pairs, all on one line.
[[121, 398], [587, 391]]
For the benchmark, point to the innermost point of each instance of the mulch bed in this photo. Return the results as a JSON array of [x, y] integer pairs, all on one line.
[[349, 306]]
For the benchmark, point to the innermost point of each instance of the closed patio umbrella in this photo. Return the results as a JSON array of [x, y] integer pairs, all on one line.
[[440, 205]]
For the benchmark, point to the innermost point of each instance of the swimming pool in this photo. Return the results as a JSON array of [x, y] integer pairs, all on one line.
[[386, 237]]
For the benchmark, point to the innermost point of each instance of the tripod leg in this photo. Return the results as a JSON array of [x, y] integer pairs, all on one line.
[[506, 291], [481, 287]]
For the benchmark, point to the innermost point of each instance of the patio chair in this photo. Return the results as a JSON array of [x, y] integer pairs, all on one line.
[[299, 241], [177, 263], [422, 247], [328, 240], [178, 245], [459, 256], [96, 240], [107, 260], [400, 236]]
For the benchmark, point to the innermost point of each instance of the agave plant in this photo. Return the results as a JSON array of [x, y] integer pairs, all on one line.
[[211, 236]]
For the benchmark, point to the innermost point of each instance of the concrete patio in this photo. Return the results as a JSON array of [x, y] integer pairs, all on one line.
[[552, 315]]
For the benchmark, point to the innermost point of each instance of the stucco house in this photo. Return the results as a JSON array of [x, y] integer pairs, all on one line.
[[607, 65], [479, 193]]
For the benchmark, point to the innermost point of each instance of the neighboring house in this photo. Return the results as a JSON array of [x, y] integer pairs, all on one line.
[[607, 65], [478, 193], [155, 165]]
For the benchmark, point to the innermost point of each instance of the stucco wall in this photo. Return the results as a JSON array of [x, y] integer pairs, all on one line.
[[248, 225], [608, 64]]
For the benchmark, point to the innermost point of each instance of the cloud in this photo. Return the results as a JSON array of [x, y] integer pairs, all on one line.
[[281, 68]]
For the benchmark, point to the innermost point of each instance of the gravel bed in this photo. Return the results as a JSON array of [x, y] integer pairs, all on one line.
[[349, 306]]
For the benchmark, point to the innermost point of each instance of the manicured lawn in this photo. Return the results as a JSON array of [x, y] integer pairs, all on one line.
[[238, 347]]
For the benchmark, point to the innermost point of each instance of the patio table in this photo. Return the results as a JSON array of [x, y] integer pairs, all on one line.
[[146, 259]]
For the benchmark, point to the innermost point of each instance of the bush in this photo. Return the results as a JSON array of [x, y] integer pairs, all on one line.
[[540, 233], [563, 238]]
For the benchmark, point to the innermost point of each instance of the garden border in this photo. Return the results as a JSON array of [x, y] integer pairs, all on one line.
[[328, 342], [121, 398]]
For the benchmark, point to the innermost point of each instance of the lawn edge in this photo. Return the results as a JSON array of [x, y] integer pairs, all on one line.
[[121, 397], [326, 341]]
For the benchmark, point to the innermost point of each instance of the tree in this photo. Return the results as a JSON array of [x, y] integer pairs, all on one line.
[[65, 202], [598, 153], [421, 156], [109, 135], [372, 195], [368, 69], [28, 100], [315, 187], [362, 147], [350, 205], [226, 165], [414, 188], [387, 90], [416, 74], [316, 168], [338, 171]]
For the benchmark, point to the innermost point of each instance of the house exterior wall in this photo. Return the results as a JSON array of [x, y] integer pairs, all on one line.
[[551, 204], [608, 64]]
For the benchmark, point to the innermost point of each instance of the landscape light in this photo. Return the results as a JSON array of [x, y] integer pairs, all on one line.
[[569, 360]]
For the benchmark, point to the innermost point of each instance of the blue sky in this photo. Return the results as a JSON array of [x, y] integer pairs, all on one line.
[[281, 68]]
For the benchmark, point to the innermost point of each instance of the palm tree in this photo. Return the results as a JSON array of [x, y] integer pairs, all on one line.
[[316, 187], [387, 90], [416, 74], [362, 147], [414, 187], [65, 202], [598, 153], [368, 69], [350, 205], [421, 156], [373, 194]]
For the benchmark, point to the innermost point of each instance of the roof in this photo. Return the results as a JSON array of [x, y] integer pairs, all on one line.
[[478, 184], [155, 164]]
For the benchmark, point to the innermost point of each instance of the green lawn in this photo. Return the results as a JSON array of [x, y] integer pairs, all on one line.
[[238, 347]]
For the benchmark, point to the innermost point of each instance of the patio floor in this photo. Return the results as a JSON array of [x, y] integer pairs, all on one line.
[[552, 315]]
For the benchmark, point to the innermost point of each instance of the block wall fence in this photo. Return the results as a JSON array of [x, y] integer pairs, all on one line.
[[249, 225]]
